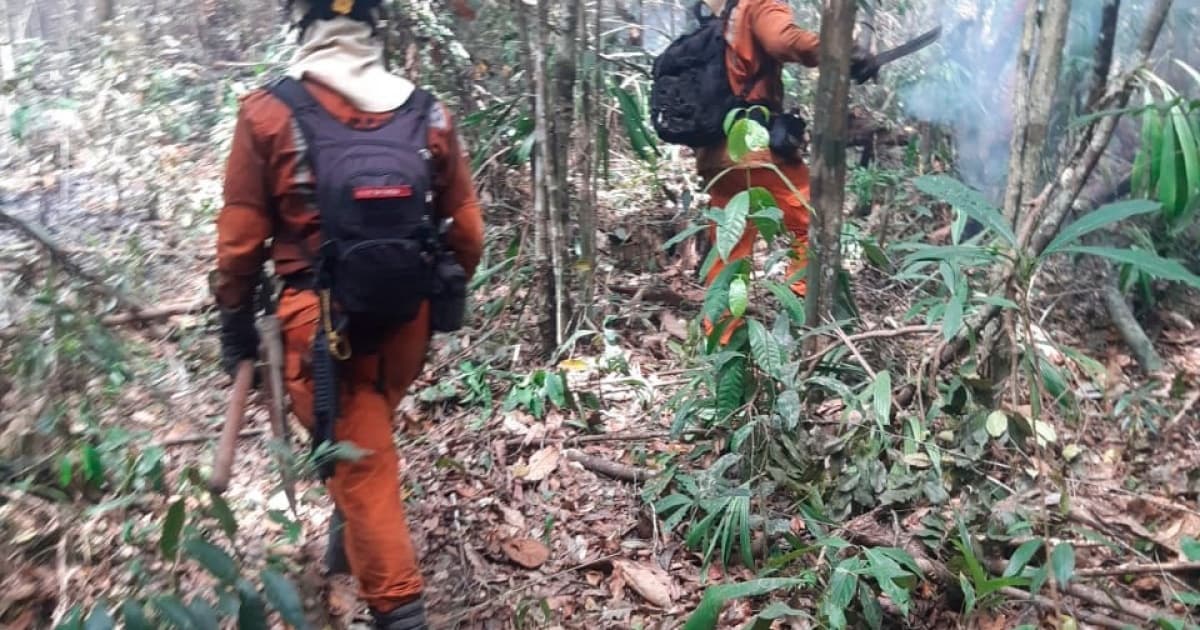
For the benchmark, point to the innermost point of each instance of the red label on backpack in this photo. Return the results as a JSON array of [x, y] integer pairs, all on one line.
[[368, 193]]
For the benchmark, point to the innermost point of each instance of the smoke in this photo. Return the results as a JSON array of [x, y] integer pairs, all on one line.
[[969, 89]]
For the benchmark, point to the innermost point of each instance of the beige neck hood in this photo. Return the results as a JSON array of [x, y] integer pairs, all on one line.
[[342, 54]]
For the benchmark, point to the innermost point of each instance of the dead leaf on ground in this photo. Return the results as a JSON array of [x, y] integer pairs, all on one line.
[[1172, 535], [651, 582], [511, 516], [541, 464], [526, 552], [675, 326]]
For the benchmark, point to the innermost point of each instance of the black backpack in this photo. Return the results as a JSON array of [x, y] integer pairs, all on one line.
[[374, 192], [690, 95]]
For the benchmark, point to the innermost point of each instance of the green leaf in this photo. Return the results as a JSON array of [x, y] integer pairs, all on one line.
[[73, 619], [968, 594], [739, 298], [213, 559], [100, 618], [687, 233], [635, 126], [757, 137], [252, 613], [840, 593], [224, 516], [968, 201], [203, 615], [1021, 557], [882, 397], [870, 608], [997, 424], [133, 613], [1148, 263], [93, 468], [1191, 549], [706, 615], [788, 406], [766, 350], [66, 471], [1062, 561], [731, 387], [1099, 219], [172, 526], [732, 225], [792, 304], [952, 320], [173, 612], [284, 598], [1168, 182]]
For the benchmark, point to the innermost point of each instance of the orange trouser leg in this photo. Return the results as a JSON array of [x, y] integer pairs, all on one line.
[[795, 219], [367, 491]]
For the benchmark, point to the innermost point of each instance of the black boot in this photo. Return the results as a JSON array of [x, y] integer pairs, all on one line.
[[410, 616], [335, 552]]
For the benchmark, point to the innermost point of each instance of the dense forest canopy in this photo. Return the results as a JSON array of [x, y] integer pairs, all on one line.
[[982, 414]]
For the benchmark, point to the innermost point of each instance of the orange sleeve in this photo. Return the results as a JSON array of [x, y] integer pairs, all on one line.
[[244, 223], [775, 30], [455, 190]]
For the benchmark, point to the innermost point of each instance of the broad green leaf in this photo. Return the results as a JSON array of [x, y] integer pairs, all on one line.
[[1099, 219], [997, 424], [99, 618], [1021, 557], [885, 571], [1189, 200], [968, 594], [635, 126], [882, 397], [791, 303], [1044, 432], [66, 471], [133, 613], [842, 585], [788, 406], [213, 559], [952, 320], [706, 615], [172, 611], [252, 613], [172, 526], [73, 619], [1168, 181], [757, 137], [869, 606], [765, 349], [780, 610], [736, 140], [966, 200], [284, 598], [732, 225], [93, 468], [687, 233], [1062, 561], [740, 436], [1148, 263], [203, 615], [739, 297], [224, 516], [731, 388], [1191, 549]]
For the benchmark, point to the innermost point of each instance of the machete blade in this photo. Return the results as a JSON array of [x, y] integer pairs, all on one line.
[[909, 47]]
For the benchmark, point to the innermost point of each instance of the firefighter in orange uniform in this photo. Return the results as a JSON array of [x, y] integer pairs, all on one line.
[[278, 205]]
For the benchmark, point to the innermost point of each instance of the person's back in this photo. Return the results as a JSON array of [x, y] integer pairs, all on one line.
[[338, 89], [761, 37]]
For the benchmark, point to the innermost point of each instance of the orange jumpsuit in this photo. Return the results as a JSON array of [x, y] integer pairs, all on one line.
[[762, 37], [269, 196]]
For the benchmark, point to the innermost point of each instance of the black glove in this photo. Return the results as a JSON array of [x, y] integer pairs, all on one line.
[[239, 338], [863, 67]]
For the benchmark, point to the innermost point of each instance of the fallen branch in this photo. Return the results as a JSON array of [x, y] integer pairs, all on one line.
[[620, 472], [156, 313], [1131, 331], [1141, 569], [1048, 604], [1187, 406], [60, 256], [207, 437]]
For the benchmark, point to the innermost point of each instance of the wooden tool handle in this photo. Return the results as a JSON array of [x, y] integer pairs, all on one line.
[[235, 417]]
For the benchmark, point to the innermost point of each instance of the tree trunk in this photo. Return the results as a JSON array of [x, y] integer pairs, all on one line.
[[546, 191], [1016, 157], [587, 168], [1042, 90], [829, 165]]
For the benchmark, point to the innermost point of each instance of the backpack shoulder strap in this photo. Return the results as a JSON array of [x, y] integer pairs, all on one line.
[[293, 94]]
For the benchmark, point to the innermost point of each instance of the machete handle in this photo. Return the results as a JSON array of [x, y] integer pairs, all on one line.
[[235, 418]]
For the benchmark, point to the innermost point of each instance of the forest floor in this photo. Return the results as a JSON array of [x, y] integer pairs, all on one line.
[[521, 519]]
